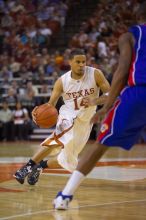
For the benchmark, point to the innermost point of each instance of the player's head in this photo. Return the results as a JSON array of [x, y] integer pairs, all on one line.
[[142, 12], [77, 61]]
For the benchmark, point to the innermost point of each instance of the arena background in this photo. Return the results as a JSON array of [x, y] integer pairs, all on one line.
[[36, 37]]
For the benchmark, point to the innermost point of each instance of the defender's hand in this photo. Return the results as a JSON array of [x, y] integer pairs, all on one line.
[[99, 116], [89, 101]]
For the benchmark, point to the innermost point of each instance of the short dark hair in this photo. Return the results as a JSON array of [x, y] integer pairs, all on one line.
[[76, 52]]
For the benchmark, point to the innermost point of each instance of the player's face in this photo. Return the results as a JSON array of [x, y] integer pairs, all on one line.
[[78, 64]]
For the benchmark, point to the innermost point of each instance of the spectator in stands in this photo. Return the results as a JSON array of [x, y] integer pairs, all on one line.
[[50, 68], [2, 36], [58, 58], [44, 30], [21, 122], [42, 13], [17, 7], [25, 75], [14, 67], [31, 32], [45, 56], [24, 38], [93, 35], [15, 86], [82, 38], [4, 85], [6, 73], [11, 96], [30, 92], [65, 66], [45, 93], [102, 48], [93, 63], [55, 77], [39, 40], [45, 89], [7, 21], [5, 122]]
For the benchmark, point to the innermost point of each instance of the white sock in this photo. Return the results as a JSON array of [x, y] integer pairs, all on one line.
[[73, 183]]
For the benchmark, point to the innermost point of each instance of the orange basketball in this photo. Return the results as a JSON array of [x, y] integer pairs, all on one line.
[[46, 116]]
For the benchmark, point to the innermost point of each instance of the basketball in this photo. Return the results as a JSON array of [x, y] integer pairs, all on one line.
[[46, 115]]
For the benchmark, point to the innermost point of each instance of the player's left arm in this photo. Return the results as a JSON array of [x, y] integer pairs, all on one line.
[[104, 86]]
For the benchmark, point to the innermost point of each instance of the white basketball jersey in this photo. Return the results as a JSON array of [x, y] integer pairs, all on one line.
[[75, 92], [73, 125]]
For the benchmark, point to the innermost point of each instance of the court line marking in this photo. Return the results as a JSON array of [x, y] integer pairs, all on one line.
[[72, 208]]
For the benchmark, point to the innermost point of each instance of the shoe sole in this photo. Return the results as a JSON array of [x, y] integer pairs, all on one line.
[[60, 208]]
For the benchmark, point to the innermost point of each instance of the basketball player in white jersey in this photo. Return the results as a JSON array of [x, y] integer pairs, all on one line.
[[80, 89]]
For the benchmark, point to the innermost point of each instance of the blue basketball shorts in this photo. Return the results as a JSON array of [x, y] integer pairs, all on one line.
[[125, 120]]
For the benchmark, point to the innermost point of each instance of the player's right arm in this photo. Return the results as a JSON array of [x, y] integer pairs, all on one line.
[[104, 86], [56, 93], [120, 76]]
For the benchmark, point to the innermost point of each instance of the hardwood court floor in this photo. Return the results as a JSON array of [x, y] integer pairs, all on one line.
[[116, 189]]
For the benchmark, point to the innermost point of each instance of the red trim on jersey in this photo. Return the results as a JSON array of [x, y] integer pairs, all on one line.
[[107, 122], [131, 81]]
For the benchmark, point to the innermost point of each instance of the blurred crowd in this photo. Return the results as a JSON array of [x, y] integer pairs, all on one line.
[[14, 124], [27, 68], [99, 34], [25, 36]]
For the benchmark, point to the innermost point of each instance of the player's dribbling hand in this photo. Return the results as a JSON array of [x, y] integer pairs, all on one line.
[[34, 114]]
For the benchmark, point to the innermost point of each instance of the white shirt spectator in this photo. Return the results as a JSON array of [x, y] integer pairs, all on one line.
[[46, 31], [5, 115], [19, 116], [102, 49]]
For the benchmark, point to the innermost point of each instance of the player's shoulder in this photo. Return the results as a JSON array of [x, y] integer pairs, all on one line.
[[97, 72], [126, 38], [136, 28], [66, 74], [89, 67], [132, 31], [89, 70], [58, 82]]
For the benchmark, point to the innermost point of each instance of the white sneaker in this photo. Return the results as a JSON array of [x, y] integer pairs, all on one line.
[[61, 201]]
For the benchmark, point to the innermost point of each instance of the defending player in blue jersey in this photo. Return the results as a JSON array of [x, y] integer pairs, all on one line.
[[123, 115]]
